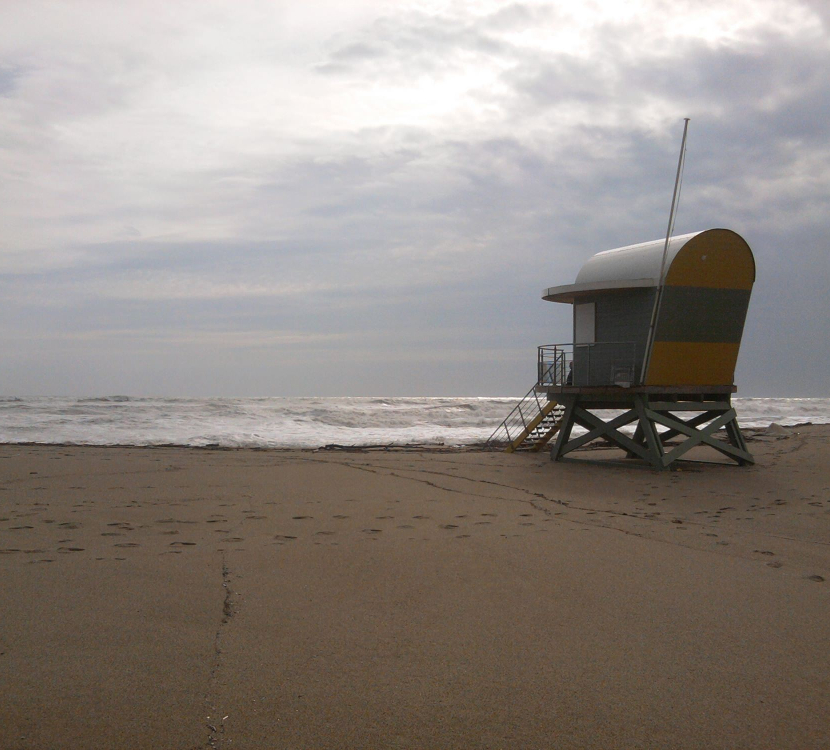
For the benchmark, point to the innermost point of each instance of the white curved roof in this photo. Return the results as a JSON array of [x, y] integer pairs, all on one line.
[[622, 268]]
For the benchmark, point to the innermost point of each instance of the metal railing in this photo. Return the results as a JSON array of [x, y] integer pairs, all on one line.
[[521, 420], [596, 364], [553, 364]]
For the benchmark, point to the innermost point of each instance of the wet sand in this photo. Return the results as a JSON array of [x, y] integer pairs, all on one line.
[[181, 598]]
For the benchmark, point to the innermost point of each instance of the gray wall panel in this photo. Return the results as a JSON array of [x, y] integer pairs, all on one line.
[[620, 317], [702, 314]]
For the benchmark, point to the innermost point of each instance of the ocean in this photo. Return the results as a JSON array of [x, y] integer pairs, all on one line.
[[302, 422]]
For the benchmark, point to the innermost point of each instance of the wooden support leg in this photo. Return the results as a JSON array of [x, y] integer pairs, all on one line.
[[638, 438], [565, 427], [703, 435], [649, 430], [736, 438]]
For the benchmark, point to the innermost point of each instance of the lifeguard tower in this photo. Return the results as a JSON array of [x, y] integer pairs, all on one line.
[[661, 348]]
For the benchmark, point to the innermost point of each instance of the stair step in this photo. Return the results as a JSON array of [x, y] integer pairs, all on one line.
[[538, 429]]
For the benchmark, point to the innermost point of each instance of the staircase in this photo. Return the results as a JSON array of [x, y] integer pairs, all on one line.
[[531, 424]]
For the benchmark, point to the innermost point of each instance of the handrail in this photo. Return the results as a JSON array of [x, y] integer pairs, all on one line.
[[528, 409], [552, 363], [587, 364]]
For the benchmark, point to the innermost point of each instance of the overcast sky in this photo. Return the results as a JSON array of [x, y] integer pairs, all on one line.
[[367, 198]]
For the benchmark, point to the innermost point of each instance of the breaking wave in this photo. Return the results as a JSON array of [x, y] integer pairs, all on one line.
[[301, 422]]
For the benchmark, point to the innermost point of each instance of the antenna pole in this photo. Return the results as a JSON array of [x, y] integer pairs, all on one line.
[[658, 298]]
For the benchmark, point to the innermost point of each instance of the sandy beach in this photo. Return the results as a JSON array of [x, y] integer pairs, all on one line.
[[183, 598]]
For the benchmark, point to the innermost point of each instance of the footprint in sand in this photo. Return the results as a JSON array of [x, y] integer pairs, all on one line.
[[490, 515], [180, 544], [18, 528], [302, 518], [383, 518], [111, 533], [323, 533], [483, 523], [8, 551], [372, 531], [169, 533], [448, 526], [127, 544], [421, 518], [70, 549], [406, 526], [816, 578], [340, 516], [284, 538]]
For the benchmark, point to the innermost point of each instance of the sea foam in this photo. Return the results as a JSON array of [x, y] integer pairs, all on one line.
[[301, 422]]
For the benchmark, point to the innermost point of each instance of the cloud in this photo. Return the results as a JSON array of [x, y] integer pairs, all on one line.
[[402, 176], [415, 43]]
